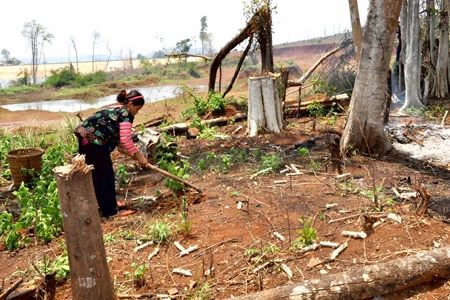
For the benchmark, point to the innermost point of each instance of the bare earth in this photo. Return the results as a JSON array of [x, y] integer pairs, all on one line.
[[270, 204]]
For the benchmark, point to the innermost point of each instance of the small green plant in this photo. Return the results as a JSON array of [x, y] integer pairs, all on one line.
[[123, 177], [271, 161], [109, 238], [225, 163], [216, 101], [185, 225], [138, 275], [179, 170], [302, 151], [60, 265], [160, 231], [307, 234]]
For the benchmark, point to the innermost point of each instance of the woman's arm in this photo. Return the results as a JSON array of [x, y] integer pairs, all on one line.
[[126, 143]]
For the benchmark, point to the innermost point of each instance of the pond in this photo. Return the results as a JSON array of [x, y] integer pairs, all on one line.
[[151, 94]]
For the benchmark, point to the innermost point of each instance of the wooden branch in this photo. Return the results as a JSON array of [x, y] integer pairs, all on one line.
[[238, 68], [154, 168], [11, 289], [245, 33], [185, 54], [366, 281], [305, 76]]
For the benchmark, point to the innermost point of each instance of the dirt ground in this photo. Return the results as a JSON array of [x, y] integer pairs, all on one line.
[[239, 212]]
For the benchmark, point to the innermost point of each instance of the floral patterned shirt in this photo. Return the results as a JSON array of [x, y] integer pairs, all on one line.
[[103, 127]]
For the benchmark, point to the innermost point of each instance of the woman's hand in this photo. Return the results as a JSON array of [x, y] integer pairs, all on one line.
[[141, 159]]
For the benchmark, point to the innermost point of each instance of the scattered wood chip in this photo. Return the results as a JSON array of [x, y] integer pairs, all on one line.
[[308, 248], [178, 245], [188, 250], [153, 254], [330, 205], [278, 236], [355, 234], [394, 217], [172, 291], [255, 270], [261, 172], [343, 177], [143, 246], [313, 262], [280, 181], [286, 270], [209, 271], [182, 272], [338, 251], [329, 244]]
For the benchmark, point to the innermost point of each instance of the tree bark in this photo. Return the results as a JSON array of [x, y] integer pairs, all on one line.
[[90, 277], [356, 28], [413, 95], [364, 129], [442, 80], [264, 107], [366, 281]]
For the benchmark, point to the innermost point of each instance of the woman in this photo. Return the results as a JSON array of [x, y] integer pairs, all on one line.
[[99, 135]]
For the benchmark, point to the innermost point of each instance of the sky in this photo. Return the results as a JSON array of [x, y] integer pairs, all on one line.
[[144, 26]]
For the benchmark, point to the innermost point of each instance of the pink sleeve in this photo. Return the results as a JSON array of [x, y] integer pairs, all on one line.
[[125, 138]]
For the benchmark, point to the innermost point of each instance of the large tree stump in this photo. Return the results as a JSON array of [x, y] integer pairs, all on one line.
[[366, 281], [89, 273], [264, 106]]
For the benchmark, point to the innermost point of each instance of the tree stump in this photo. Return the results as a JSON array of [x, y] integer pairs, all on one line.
[[89, 273], [264, 106]]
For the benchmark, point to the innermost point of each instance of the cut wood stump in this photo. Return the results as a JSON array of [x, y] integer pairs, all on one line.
[[366, 281], [264, 106], [89, 273]]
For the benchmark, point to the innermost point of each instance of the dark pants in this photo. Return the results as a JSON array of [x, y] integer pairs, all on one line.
[[102, 176]]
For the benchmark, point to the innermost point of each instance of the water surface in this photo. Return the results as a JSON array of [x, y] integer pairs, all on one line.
[[151, 94]]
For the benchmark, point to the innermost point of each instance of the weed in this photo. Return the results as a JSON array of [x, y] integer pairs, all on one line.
[[307, 234], [160, 231], [60, 265], [123, 177], [138, 274], [185, 225], [271, 161]]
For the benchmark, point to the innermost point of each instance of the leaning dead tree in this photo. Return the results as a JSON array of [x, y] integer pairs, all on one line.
[[300, 82], [260, 27]]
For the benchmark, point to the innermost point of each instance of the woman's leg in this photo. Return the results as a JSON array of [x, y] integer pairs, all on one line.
[[102, 176]]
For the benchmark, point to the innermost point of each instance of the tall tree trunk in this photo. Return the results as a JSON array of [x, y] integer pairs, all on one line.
[[264, 25], [442, 77], [364, 129], [413, 96], [432, 30], [356, 28], [430, 52]]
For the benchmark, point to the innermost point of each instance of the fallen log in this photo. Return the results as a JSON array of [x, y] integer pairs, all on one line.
[[366, 281], [181, 128]]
